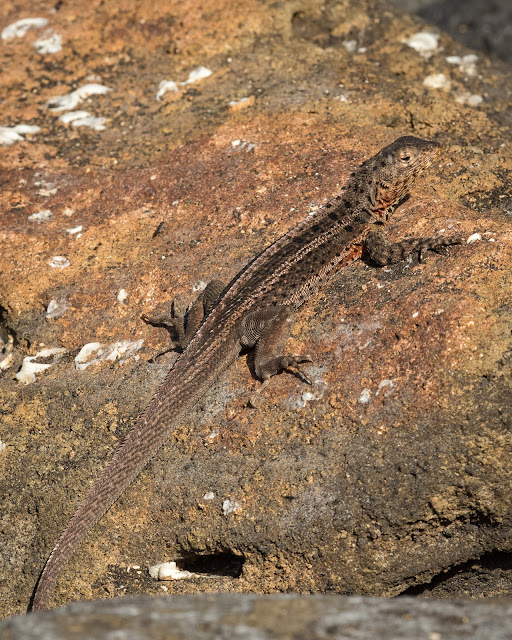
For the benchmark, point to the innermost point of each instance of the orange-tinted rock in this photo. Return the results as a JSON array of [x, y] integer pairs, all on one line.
[[395, 466]]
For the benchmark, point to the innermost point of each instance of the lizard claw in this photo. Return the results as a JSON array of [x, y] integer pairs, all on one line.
[[169, 319], [291, 363], [288, 363]]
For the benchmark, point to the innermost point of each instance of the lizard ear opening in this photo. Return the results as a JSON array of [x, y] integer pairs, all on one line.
[[406, 156]]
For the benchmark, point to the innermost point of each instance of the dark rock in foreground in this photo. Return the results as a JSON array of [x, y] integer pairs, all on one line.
[[251, 617]]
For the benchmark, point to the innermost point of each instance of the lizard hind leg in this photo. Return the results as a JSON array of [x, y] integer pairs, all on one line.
[[268, 330]]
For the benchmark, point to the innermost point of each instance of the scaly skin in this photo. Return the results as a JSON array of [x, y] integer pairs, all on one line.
[[256, 309]]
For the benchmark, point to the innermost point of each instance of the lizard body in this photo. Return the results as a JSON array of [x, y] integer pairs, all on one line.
[[256, 310]]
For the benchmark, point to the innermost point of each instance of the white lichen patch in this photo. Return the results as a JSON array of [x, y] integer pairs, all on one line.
[[30, 368], [169, 571], [69, 101], [437, 81], [230, 506], [50, 43], [471, 99], [56, 308], [19, 29], [40, 216], [170, 85], [59, 262], [83, 119], [364, 398], [209, 495], [95, 352], [473, 238], [424, 42], [8, 135], [467, 63]]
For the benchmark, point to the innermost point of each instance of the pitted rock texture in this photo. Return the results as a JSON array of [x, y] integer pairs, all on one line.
[[394, 468], [249, 617]]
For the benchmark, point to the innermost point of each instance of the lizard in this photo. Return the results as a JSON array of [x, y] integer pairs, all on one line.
[[256, 310]]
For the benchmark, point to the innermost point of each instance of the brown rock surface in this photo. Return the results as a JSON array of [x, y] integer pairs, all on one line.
[[395, 466]]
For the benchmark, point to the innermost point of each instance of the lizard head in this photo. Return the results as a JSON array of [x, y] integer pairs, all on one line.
[[392, 171]]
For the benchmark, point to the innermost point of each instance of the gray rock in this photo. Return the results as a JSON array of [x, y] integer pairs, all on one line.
[[251, 617]]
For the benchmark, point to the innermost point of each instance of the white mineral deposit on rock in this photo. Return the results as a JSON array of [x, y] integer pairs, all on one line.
[[95, 352], [74, 230], [40, 216], [8, 135], [467, 63], [230, 506], [50, 43], [30, 368], [169, 571], [170, 85], [199, 286], [19, 29], [437, 81], [386, 386], [471, 99], [364, 398], [424, 42], [83, 119], [122, 295], [57, 308], [59, 262], [69, 101]]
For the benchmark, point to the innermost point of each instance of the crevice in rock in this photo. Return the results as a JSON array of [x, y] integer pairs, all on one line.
[[223, 563], [486, 576]]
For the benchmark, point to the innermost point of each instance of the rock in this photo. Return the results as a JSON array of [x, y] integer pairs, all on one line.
[[324, 493], [232, 616]]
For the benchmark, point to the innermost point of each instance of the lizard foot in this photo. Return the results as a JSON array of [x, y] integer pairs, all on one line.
[[171, 321], [439, 245], [290, 364]]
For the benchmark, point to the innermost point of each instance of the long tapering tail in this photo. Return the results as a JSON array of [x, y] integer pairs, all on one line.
[[175, 396]]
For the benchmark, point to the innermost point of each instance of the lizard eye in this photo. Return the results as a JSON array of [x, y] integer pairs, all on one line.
[[405, 158]]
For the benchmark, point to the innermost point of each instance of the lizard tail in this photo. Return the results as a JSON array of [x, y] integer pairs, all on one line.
[[130, 456], [154, 426]]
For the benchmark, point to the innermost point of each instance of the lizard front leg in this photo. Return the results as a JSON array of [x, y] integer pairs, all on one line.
[[185, 325], [268, 330], [383, 252]]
